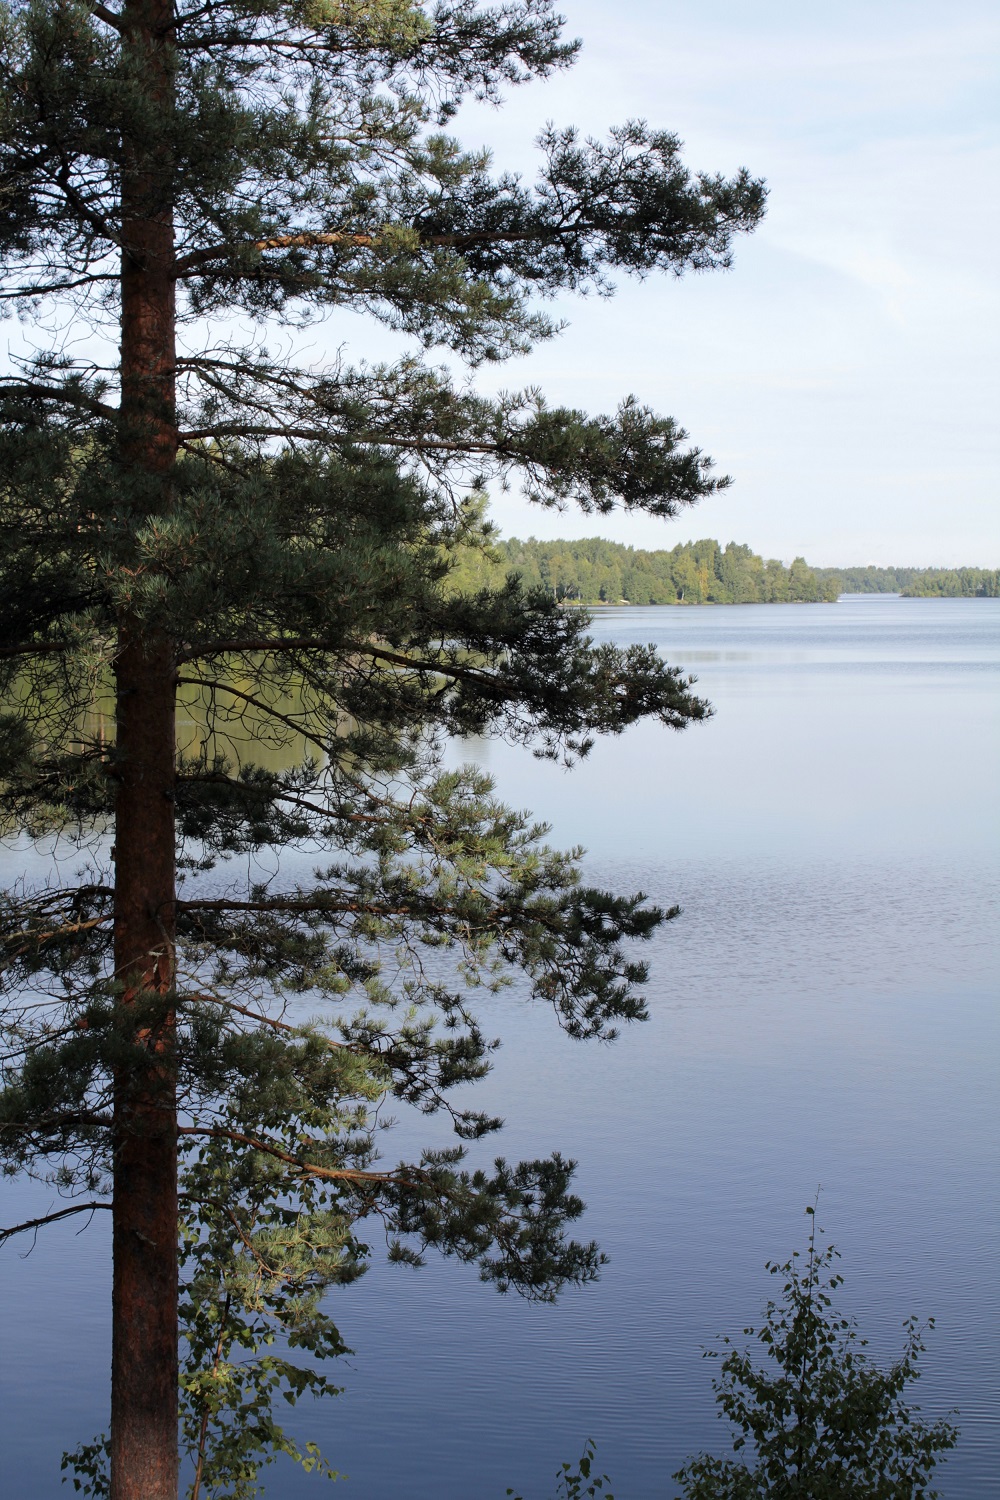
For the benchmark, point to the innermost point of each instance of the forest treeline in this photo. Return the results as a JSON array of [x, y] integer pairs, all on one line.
[[595, 571], [918, 583]]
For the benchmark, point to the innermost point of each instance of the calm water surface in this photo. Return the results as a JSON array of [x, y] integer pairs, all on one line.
[[824, 1013]]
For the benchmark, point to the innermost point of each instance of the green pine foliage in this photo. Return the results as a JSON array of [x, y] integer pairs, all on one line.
[[595, 571], [271, 547]]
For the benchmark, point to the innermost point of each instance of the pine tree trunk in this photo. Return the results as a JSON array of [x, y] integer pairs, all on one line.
[[144, 1452], [144, 1294]]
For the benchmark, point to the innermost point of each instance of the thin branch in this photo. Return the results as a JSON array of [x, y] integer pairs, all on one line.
[[243, 1010], [262, 1020], [436, 668], [42, 648], [311, 643], [78, 1117], [99, 225], [192, 263], [253, 702], [45, 900], [64, 1213], [48, 288]]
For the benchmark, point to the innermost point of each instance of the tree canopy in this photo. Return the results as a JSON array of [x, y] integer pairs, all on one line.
[[817, 1416], [916, 583], [596, 571], [227, 630]]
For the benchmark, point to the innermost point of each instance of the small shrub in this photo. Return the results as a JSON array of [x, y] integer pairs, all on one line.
[[817, 1420]]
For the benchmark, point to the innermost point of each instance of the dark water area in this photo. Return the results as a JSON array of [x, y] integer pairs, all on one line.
[[824, 1013]]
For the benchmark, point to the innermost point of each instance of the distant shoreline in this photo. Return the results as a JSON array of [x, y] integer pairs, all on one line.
[[593, 572], [713, 604]]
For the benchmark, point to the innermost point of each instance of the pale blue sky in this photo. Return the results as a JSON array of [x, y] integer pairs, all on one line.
[[845, 371]]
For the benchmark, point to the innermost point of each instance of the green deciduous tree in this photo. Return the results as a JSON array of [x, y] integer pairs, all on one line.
[[596, 571], [188, 520], [818, 1420]]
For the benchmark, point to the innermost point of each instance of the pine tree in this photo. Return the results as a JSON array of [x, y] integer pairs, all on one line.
[[191, 519]]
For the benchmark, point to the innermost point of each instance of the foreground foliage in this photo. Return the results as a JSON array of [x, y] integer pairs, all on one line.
[[580, 1482], [818, 1420]]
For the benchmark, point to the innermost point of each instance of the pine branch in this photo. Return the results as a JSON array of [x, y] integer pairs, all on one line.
[[434, 668], [195, 262], [252, 701], [308, 1169], [441, 668], [292, 431], [277, 794], [109, 17], [304, 905], [36, 648], [70, 1119], [253, 644], [38, 940], [63, 1213], [33, 290], [271, 1022], [69, 394], [95, 221]]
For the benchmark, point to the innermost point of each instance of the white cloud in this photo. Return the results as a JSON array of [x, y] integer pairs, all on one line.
[[845, 372]]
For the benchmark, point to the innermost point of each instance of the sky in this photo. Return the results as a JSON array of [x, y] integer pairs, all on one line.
[[844, 372]]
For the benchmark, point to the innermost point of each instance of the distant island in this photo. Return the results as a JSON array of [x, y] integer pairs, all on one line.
[[595, 571]]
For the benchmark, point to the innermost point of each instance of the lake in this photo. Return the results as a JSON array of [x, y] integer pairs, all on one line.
[[823, 1016]]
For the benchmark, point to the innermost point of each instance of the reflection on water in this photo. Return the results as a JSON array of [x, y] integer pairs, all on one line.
[[242, 721], [823, 1012], [697, 658]]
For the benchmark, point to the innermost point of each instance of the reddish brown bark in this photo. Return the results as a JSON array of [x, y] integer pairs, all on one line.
[[144, 1456], [144, 1294]]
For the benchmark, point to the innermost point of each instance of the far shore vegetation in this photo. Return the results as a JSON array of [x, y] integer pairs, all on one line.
[[595, 571]]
